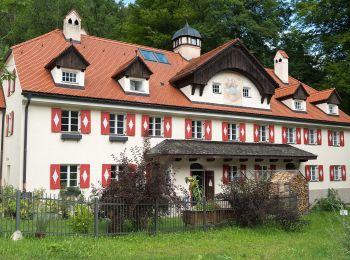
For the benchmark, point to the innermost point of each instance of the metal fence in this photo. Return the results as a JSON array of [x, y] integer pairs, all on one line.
[[51, 215]]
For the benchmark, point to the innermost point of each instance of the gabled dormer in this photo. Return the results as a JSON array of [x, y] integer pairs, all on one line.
[[293, 97], [133, 76], [68, 68], [327, 100]]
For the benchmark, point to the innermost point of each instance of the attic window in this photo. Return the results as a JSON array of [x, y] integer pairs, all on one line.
[[137, 85], [69, 77], [332, 109], [154, 56], [162, 58], [298, 105]]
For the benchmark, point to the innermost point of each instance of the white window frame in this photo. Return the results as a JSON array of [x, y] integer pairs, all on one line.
[[114, 129], [264, 170], [70, 121], [151, 126], [142, 85], [195, 133], [69, 76], [293, 135], [246, 92], [314, 173], [216, 88], [233, 129], [69, 172], [115, 170], [312, 136], [336, 138], [332, 109], [337, 173], [299, 105], [233, 172], [264, 133]]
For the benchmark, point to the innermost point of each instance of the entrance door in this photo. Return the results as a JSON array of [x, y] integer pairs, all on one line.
[[209, 185]]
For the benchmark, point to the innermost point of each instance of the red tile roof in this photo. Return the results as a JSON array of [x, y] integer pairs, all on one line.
[[321, 95], [2, 99], [284, 54], [107, 56]]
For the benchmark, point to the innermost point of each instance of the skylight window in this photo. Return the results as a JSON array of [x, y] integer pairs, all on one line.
[[154, 56]]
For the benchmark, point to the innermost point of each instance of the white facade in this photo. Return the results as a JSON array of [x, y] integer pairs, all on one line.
[[281, 67]]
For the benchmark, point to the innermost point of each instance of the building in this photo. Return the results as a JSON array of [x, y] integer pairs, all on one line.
[[77, 99]]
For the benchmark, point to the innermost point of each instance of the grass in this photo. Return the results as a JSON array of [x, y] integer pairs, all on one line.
[[320, 240]]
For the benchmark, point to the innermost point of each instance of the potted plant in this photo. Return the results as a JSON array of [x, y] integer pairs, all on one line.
[[42, 221]]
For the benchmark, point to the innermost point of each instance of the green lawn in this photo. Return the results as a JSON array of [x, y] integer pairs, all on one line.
[[320, 240]]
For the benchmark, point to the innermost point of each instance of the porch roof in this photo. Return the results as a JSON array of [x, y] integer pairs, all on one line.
[[206, 149]]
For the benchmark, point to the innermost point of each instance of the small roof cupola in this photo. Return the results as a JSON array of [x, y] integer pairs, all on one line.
[[281, 65], [187, 41], [72, 29]]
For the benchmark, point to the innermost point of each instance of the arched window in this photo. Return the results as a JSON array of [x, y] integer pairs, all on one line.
[[70, 21], [76, 22]]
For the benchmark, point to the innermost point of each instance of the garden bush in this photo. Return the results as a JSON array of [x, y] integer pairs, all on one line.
[[81, 219], [331, 203]]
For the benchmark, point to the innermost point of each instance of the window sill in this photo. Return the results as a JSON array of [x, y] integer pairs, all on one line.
[[71, 136], [156, 136], [118, 138]]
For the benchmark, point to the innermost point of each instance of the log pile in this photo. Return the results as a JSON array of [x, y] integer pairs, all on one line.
[[287, 184]]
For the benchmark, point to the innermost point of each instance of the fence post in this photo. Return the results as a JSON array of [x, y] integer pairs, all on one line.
[[156, 217], [204, 213], [96, 217], [18, 209]]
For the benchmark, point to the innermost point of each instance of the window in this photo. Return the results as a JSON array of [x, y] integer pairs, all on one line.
[[117, 124], [298, 105], [115, 170], [246, 92], [69, 77], [291, 135], [136, 85], [336, 138], [264, 133], [161, 58], [233, 173], [313, 173], [155, 126], [193, 41], [148, 55], [312, 136], [216, 88], [69, 176], [197, 129], [233, 132], [332, 109], [70, 121], [337, 173]]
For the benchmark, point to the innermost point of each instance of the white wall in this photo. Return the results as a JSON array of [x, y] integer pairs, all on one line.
[[232, 84]]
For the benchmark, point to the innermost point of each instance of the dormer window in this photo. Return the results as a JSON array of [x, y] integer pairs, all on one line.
[[246, 92], [332, 109], [137, 85], [299, 105], [69, 77], [217, 88]]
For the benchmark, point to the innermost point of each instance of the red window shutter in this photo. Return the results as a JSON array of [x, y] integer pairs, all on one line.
[[273, 167], [331, 173], [284, 135], [207, 129], [12, 121], [298, 133], [256, 133], [342, 140], [85, 121], [106, 175], [14, 82], [242, 132], [130, 124], [84, 176], [330, 138], [7, 125], [144, 125], [320, 173], [188, 128], [224, 131], [306, 136], [167, 127], [243, 168], [225, 174], [105, 126], [56, 115], [319, 136], [55, 180], [271, 133], [257, 167], [343, 173], [307, 172]]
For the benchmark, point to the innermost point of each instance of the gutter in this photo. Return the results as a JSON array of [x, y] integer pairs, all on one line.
[[2, 142], [25, 144]]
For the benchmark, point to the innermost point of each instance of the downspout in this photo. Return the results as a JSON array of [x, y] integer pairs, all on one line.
[[25, 143], [2, 142]]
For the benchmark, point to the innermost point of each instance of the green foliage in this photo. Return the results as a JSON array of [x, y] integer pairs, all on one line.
[[81, 219], [196, 190], [41, 222], [210, 206], [331, 203]]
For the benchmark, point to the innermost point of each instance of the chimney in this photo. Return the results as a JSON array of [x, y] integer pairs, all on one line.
[[72, 26], [281, 66]]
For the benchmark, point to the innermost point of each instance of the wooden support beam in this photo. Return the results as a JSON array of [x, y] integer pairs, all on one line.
[[178, 159], [288, 160], [210, 159], [303, 160], [273, 160], [227, 159], [243, 160], [259, 160], [193, 159]]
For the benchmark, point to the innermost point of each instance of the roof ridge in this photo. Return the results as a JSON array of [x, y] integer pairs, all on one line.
[[323, 90], [35, 39]]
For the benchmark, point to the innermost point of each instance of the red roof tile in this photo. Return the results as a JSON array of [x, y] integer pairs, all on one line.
[[284, 54], [2, 99], [107, 56], [321, 95]]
